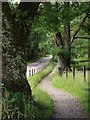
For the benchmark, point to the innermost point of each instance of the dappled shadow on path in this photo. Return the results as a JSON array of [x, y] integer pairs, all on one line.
[[42, 111]]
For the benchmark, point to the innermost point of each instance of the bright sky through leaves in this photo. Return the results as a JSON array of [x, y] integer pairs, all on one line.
[[14, 1]]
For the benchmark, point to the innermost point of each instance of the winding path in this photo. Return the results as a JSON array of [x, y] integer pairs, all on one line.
[[65, 105]]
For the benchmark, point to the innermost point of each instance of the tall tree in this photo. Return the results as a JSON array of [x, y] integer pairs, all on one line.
[[15, 31], [59, 19]]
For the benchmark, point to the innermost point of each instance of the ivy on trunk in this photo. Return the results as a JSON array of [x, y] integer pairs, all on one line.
[[14, 42]]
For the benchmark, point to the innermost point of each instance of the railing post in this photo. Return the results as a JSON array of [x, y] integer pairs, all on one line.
[[73, 73], [34, 70], [84, 72], [60, 71], [29, 72]]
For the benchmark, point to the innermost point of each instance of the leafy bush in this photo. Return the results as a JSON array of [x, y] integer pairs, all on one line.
[[17, 106]]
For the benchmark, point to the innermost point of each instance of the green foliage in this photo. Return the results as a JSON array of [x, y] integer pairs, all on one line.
[[80, 53], [44, 104], [13, 4], [17, 106], [76, 87], [50, 18], [53, 17], [32, 49], [21, 18], [47, 46], [36, 41]]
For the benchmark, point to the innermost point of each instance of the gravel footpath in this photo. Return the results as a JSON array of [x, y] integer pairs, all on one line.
[[65, 105]]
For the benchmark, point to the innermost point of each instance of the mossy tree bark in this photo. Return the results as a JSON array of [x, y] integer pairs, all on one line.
[[13, 45]]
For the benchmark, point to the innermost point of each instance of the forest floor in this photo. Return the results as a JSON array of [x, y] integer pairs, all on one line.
[[64, 104]]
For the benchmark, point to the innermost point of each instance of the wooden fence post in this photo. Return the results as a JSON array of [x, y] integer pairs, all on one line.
[[60, 71], [66, 72], [84, 72], [73, 73]]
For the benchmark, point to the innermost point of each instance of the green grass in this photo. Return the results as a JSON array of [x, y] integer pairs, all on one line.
[[42, 100], [77, 87], [34, 80]]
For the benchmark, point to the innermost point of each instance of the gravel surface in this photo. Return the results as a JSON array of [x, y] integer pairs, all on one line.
[[65, 105]]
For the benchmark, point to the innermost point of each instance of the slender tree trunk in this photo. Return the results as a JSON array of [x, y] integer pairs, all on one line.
[[67, 45], [58, 42], [67, 39]]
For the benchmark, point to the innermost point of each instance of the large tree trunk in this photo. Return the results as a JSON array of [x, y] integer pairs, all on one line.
[[14, 55], [58, 41], [67, 39], [60, 61], [67, 46], [60, 64], [64, 60]]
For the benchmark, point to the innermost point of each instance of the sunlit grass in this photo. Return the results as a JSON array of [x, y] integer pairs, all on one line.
[[77, 87], [42, 100], [34, 80]]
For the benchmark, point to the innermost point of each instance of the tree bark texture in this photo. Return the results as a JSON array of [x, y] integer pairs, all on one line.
[[67, 46], [58, 41], [14, 55], [64, 60]]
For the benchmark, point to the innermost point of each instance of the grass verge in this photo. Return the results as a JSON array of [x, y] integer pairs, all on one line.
[[77, 87], [42, 100]]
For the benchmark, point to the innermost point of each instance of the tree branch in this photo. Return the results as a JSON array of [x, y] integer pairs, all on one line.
[[30, 7], [82, 37], [81, 24]]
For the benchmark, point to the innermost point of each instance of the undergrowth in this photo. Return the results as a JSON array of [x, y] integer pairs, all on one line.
[[17, 106]]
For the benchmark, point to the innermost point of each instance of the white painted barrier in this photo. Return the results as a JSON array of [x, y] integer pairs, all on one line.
[[35, 67]]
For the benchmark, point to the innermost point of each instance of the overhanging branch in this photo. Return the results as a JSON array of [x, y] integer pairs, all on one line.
[[81, 24], [82, 37]]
